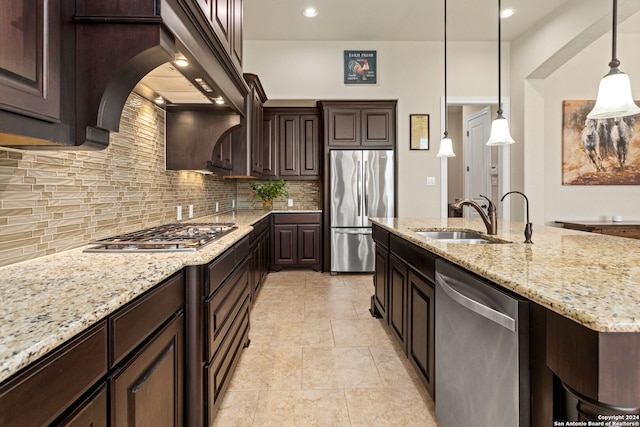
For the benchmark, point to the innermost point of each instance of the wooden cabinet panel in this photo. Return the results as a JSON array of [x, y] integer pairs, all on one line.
[[42, 392], [92, 412], [223, 153], [218, 373], [223, 305], [343, 127], [30, 58], [398, 300], [308, 244], [421, 332], [285, 245], [221, 19], [237, 36], [137, 321], [297, 240], [380, 281], [289, 164], [309, 146], [269, 145], [149, 388], [256, 135], [378, 128]]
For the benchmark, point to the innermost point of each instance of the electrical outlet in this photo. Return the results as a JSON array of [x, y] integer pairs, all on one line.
[[233, 203], [431, 180], [179, 213], [217, 207], [289, 202], [190, 211]]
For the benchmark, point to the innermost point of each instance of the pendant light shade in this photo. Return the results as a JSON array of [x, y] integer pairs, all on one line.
[[446, 145], [446, 148], [500, 127], [614, 93], [500, 132]]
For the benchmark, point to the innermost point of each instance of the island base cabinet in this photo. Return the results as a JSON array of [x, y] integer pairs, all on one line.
[[148, 389], [421, 334], [398, 300], [380, 282]]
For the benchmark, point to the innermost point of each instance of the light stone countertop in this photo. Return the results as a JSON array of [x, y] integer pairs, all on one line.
[[48, 300], [592, 279]]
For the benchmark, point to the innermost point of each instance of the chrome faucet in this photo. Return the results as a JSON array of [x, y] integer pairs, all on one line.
[[490, 220], [528, 228]]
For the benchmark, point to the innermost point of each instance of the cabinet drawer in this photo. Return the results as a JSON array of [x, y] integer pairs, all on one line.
[[41, 393], [418, 258], [132, 325], [223, 307], [92, 412], [218, 372], [297, 218], [380, 236], [219, 270]]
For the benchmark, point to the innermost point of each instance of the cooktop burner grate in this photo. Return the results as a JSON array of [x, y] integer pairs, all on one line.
[[176, 237]]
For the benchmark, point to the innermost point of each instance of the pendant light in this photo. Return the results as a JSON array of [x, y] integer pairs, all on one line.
[[614, 93], [500, 127], [446, 145]]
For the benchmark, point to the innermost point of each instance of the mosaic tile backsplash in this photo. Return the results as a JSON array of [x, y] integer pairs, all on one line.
[[51, 201]]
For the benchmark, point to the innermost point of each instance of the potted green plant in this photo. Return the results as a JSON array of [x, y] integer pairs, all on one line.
[[269, 190]]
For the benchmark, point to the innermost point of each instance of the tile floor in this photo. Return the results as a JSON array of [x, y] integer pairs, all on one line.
[[318, 358]]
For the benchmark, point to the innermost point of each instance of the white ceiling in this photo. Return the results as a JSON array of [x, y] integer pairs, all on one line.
[[390, 20]]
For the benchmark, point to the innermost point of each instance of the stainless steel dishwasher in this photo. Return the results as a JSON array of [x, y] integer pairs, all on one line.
[[482, 352]]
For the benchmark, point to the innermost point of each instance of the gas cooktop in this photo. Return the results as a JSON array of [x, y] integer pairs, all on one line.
[[177, 237]]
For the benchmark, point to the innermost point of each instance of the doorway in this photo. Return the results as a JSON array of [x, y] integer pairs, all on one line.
[[477, 159], [499, 177]]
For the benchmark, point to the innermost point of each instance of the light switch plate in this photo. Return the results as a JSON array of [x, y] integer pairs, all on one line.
[[289, 202], [217, 207], [179, 213], [233, 203], [431, 180], [190, 211]]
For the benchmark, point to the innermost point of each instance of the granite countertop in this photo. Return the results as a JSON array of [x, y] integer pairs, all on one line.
[[48, 300], [592, 279]]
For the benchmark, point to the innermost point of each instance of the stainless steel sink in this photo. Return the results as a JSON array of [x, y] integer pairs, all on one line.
[[462, 237]]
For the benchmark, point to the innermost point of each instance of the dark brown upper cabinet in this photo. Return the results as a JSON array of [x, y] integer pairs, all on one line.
[[360, 124], [67, 68], [245, 142], [225, 17], [294, 140]]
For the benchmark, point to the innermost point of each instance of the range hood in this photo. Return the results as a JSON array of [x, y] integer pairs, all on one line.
[[116, 45]]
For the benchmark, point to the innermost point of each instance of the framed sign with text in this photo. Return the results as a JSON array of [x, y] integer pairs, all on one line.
[[419, 131], [360, 67]]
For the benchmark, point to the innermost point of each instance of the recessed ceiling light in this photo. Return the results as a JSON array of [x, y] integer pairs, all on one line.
[[507, 13], [310, 12], [159, 100], [219, 100]]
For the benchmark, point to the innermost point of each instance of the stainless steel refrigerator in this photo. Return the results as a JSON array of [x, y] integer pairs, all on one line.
[[362, 186]]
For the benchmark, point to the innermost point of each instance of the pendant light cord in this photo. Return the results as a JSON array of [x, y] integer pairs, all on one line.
[[446, 112], [615, 63], [500, 59]]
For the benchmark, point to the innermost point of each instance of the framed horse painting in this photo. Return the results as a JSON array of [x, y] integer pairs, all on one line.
[[599, 151]]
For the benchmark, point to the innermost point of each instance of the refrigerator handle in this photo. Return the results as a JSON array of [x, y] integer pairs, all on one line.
[[366, 190], [359, 185]]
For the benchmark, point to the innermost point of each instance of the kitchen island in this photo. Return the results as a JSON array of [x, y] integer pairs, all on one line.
[[584, 291]]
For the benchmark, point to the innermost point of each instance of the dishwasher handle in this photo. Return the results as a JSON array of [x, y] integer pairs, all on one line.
[[448, 283]]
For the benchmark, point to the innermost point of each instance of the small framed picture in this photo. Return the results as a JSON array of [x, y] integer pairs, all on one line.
[[360, 67], [419, 131]]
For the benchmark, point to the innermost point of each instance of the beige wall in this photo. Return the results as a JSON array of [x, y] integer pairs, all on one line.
[[410, 72], [55, 200], [578, 79]]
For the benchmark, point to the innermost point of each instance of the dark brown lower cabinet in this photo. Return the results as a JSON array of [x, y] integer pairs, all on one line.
[[380, 282], [421, 334], [148, 391], [297, 241], [398, 300], [92, 412]]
